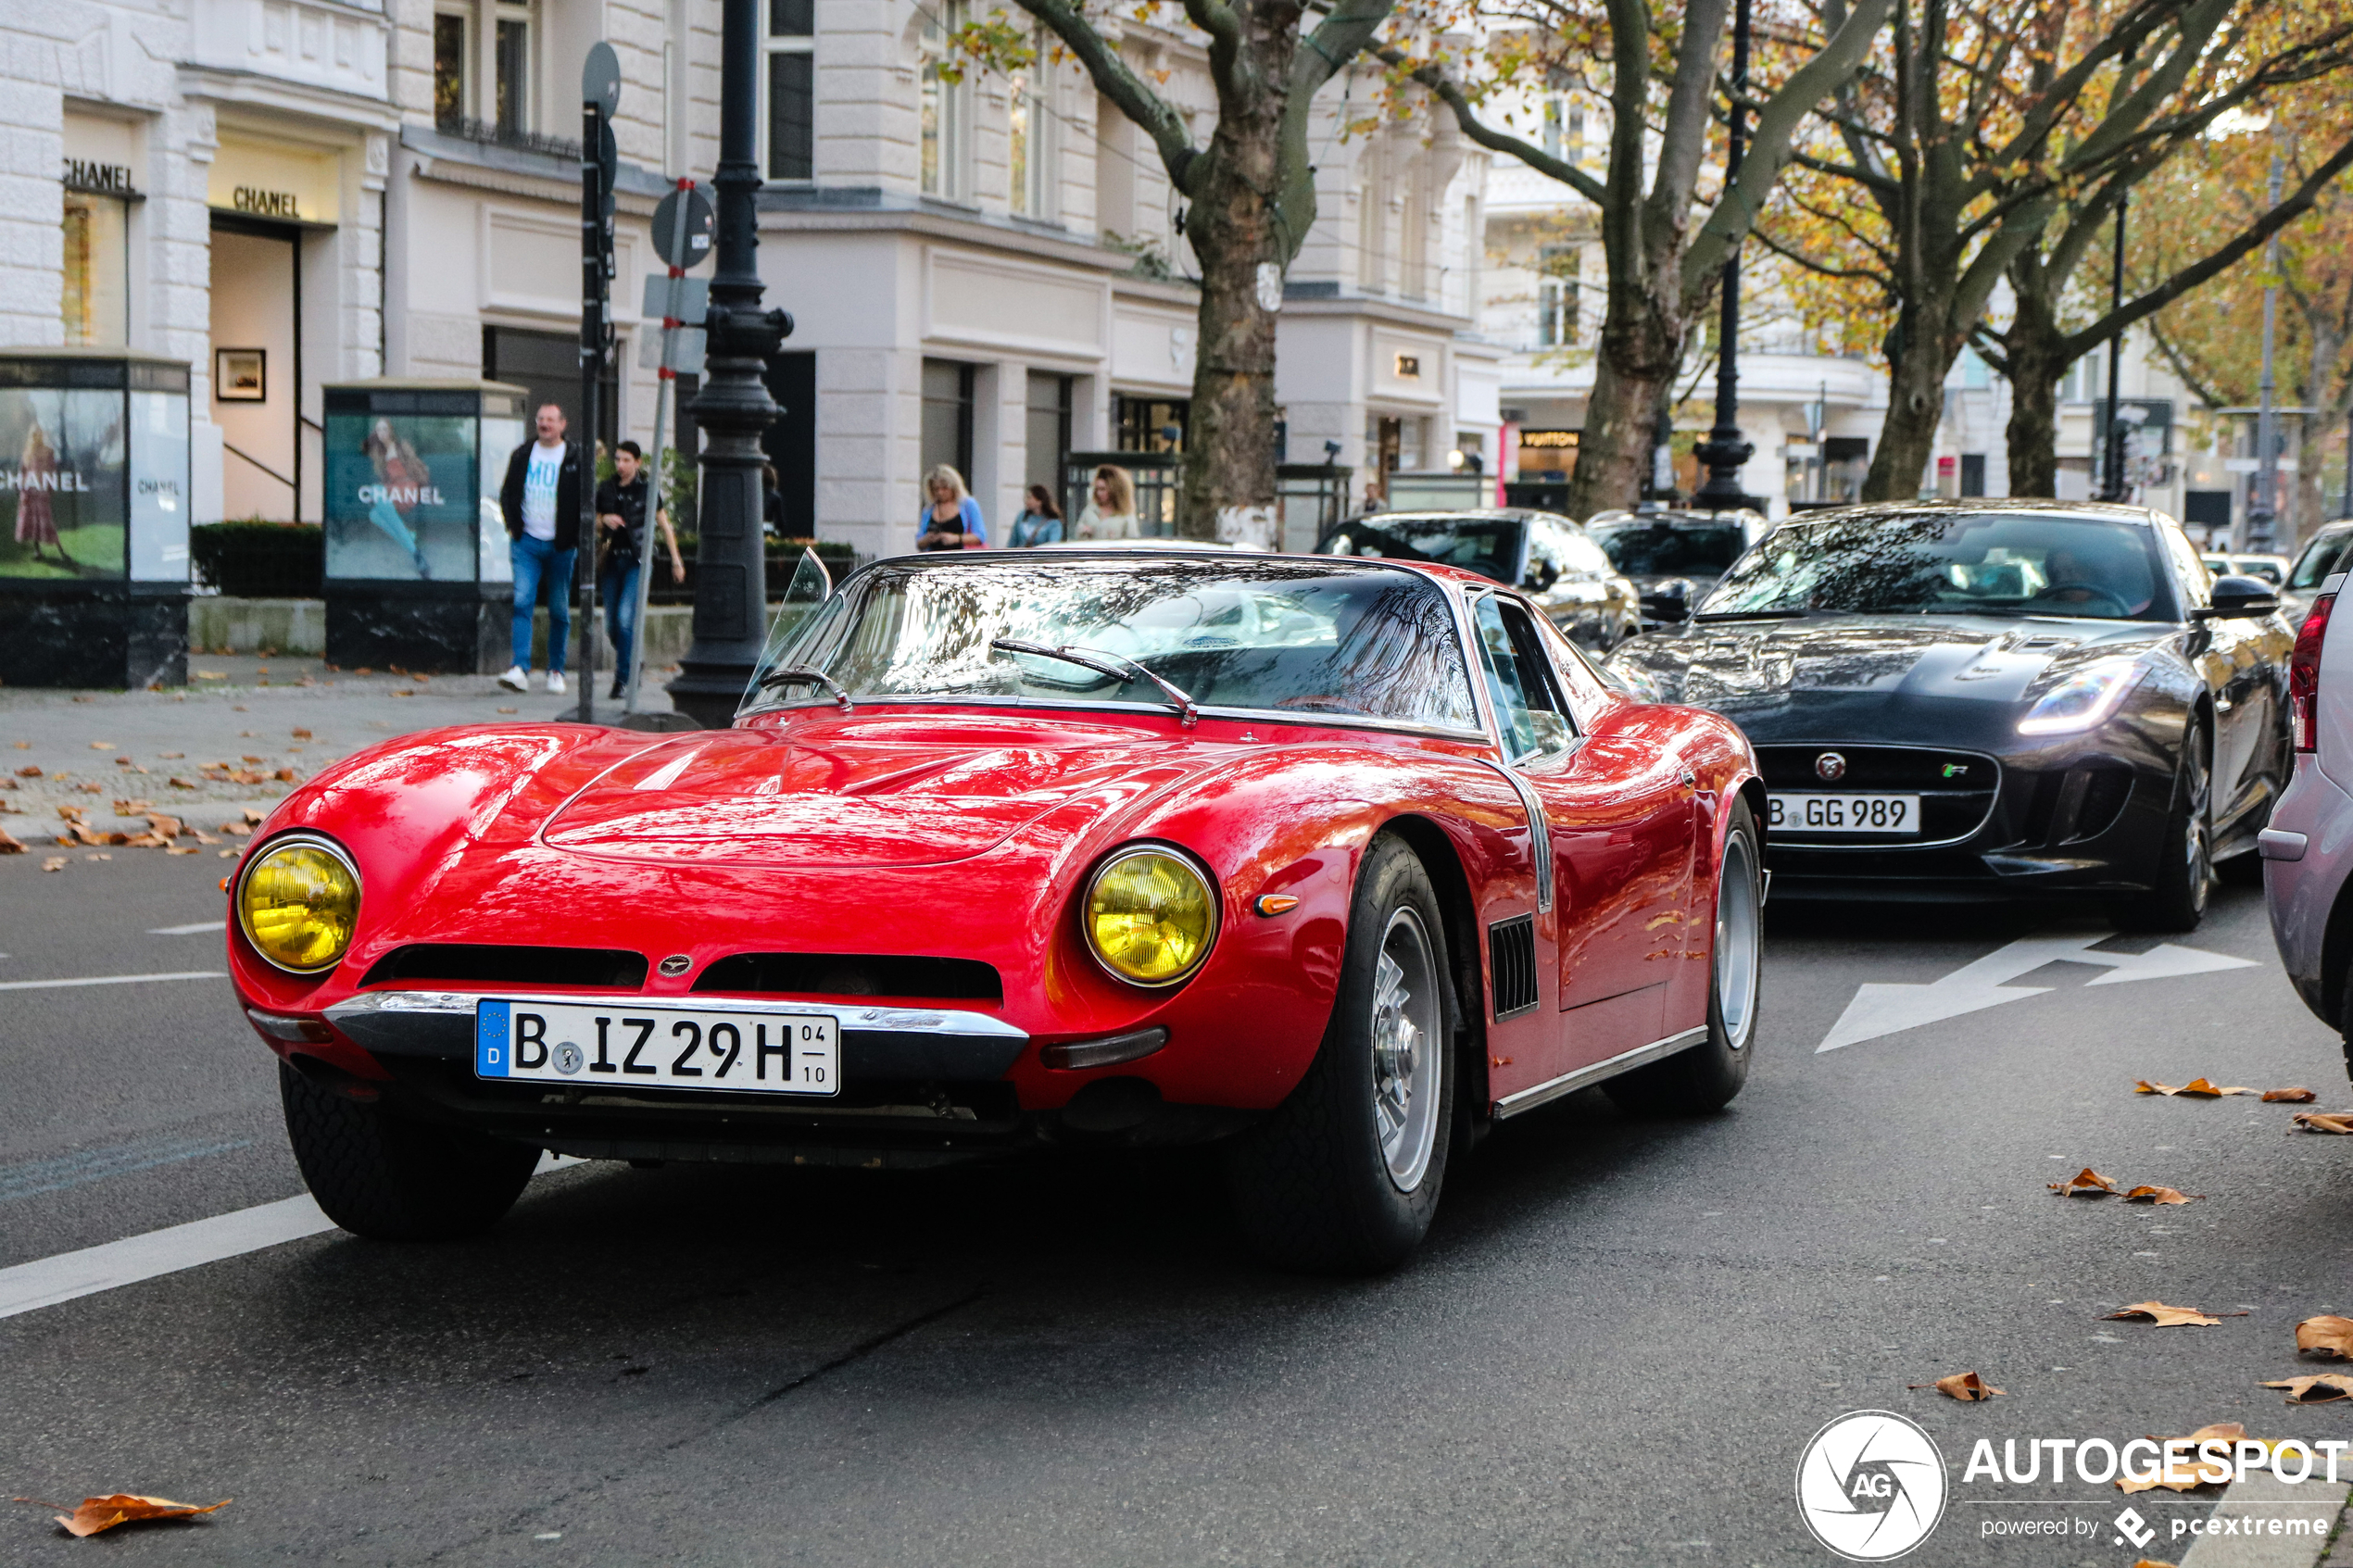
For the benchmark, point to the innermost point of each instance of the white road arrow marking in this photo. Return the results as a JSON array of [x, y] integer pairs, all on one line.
[[1880, 1009]]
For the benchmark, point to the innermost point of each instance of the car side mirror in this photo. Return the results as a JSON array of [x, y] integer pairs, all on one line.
[[2237, 597], [1670, 601]]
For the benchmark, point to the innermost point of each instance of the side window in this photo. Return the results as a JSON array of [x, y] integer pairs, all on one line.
[[2196, 582], [1545, 561], [1521, 683]]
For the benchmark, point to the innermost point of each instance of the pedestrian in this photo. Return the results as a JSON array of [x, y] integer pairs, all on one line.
[[621, 517], [540, 502], [1040, 522], [951, 519], [772, 502], [1110, 505], [1374, 504]]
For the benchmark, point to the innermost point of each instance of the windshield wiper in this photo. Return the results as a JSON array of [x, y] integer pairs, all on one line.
[[1752, 615], [1117, 666], [793, 673]]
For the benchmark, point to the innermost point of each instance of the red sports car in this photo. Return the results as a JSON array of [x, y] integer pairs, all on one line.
[[1330, 862]]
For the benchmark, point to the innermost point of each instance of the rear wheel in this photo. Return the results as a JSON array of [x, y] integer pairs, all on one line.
[[379, 1174], [2184, 876], [1345, 1175], [1707, 1077]]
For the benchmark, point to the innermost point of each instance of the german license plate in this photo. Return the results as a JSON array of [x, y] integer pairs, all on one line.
[[771, 1053], [1844, 813]]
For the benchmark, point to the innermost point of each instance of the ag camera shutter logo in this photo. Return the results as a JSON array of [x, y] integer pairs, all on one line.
[[1870, 1486]]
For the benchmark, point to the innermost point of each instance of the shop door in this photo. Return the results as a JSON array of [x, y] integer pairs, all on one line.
[[256, 368]]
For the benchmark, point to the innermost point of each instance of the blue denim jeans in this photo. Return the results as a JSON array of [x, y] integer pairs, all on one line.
[[536, 559], [617, 587]]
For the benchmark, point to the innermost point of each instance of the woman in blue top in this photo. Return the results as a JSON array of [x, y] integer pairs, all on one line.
[[1040, 523], [952, 518]]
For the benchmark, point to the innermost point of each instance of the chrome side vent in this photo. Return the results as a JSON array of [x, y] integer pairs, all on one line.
[[1511, 957]]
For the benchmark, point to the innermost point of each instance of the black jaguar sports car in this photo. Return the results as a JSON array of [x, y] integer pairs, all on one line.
[[1994, 699]]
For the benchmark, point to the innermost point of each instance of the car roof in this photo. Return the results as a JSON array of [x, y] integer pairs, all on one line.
[[1129, 551], [2106, 511], [1453, 514]]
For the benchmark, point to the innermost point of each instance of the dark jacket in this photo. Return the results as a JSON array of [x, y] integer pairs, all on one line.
[[567, 494], [627, 503]]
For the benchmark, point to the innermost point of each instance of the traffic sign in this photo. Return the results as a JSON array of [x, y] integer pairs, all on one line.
[[690, 305], [700, 218], [601, 77]]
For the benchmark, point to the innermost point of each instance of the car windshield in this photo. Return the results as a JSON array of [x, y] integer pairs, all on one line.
[[1651, 548], [1487, 544], [1291, 639], [2321, 557], [1989, 563]]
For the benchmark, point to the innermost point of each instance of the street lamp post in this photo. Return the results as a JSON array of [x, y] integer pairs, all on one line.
[[1724, 451], [2263, 503], [2112, 486], [734, 408]]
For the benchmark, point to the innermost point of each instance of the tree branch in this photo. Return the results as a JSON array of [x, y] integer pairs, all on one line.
[[1122, 86], [1431, 77]]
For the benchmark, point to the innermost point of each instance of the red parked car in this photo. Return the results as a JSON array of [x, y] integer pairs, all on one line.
[[1135, 846]]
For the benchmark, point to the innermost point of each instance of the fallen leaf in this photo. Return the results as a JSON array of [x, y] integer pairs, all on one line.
[[2318, 1389], [9, 845], [302, 734], [205, 838], [2325, 1120], [1966, 1386], [73, 813], [249, 758], [2153, 1562], [90, 787], [507, 710], [182, 849], [2194, 1474], [102, 745], [288, 775], [363, 670], [2164, 1316], [256, 818], [171, 756], [404, 692], [237, 830], [2289, 1096], [24, 746], [2198, 1087], [143, 840], [28, 772], [170, 827], [2326, 1335], [183, 784], [53, 862], [125, 1507], [228, 855], [210, 674], [2161, 1196], [2085, 1181]]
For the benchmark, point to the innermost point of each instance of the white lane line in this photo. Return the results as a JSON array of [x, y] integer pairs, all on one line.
[[114, 980], [48, 1281], [198, 929]]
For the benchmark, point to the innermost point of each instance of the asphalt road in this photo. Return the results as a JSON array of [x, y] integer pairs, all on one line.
[[1611, 1351]]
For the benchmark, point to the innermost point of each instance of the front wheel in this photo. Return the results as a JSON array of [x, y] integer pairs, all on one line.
[[382, 1174], [1344, 1175], [1706, 1076], [2176, 899]]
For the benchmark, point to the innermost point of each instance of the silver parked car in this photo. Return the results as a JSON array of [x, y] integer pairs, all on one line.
[[2308, 848]]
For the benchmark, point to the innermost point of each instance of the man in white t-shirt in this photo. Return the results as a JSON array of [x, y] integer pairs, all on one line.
[[541, 504]]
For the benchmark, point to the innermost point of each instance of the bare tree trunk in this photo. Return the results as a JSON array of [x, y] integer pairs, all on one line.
[[1633, 375], [1908, 436], [2035, 355]]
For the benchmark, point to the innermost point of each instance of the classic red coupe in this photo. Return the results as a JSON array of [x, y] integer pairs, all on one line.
[[1333, 864]]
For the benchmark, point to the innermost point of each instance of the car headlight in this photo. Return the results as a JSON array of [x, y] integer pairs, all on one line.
[[2081, 700], [298, 903], [1150, 915]]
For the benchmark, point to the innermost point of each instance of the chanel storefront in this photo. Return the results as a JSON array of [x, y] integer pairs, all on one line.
[[101, 173]]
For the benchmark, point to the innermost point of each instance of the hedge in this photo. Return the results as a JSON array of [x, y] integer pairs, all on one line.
[[260, 560]]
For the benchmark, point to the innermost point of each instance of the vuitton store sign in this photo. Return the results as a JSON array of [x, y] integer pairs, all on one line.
[[285, 184]]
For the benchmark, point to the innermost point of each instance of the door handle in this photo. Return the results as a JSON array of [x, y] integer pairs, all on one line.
[[1690, 781]]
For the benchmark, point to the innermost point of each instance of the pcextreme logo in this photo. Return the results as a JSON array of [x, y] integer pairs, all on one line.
[[1870, 1486]]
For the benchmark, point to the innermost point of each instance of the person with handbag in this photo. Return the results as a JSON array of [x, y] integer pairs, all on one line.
[[622, 550], [951, 519]]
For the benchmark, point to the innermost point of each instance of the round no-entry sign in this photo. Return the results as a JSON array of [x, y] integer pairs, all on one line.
[[697, 246]]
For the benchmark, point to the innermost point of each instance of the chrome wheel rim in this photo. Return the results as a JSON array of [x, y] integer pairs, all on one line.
[[1739, 941], [1407, 1058], [2196, 847]]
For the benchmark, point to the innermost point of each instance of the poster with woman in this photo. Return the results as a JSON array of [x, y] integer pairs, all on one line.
[[61, 490], [400, 497]]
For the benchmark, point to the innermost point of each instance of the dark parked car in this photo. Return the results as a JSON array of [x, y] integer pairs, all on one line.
[[2329, 550], [1674, 556], [1545, 556], [1985, 699]]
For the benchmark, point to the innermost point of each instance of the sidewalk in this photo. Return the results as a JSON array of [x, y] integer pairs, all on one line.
[[226, 738]]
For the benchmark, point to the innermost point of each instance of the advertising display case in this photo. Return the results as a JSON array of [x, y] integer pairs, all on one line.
[[416, 571], [94, 518]]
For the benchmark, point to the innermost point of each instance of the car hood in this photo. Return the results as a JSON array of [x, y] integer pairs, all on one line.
[[1748, 669], [871, 796]]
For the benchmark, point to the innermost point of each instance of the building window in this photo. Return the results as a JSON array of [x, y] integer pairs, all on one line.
[[1151, 424], [1030, 125], [942, 107], [792, 90], [1557, 296], [1565, 128], [452, 44], [512, 82], [2084, 380], [98, 270]]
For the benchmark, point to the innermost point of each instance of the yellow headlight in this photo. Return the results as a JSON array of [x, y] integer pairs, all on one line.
[[298, 905], [1150, 916]]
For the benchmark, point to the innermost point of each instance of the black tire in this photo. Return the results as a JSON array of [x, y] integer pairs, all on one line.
[[1707, 1077], [2183, 877], [1312, 1184], [380, 1175]]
